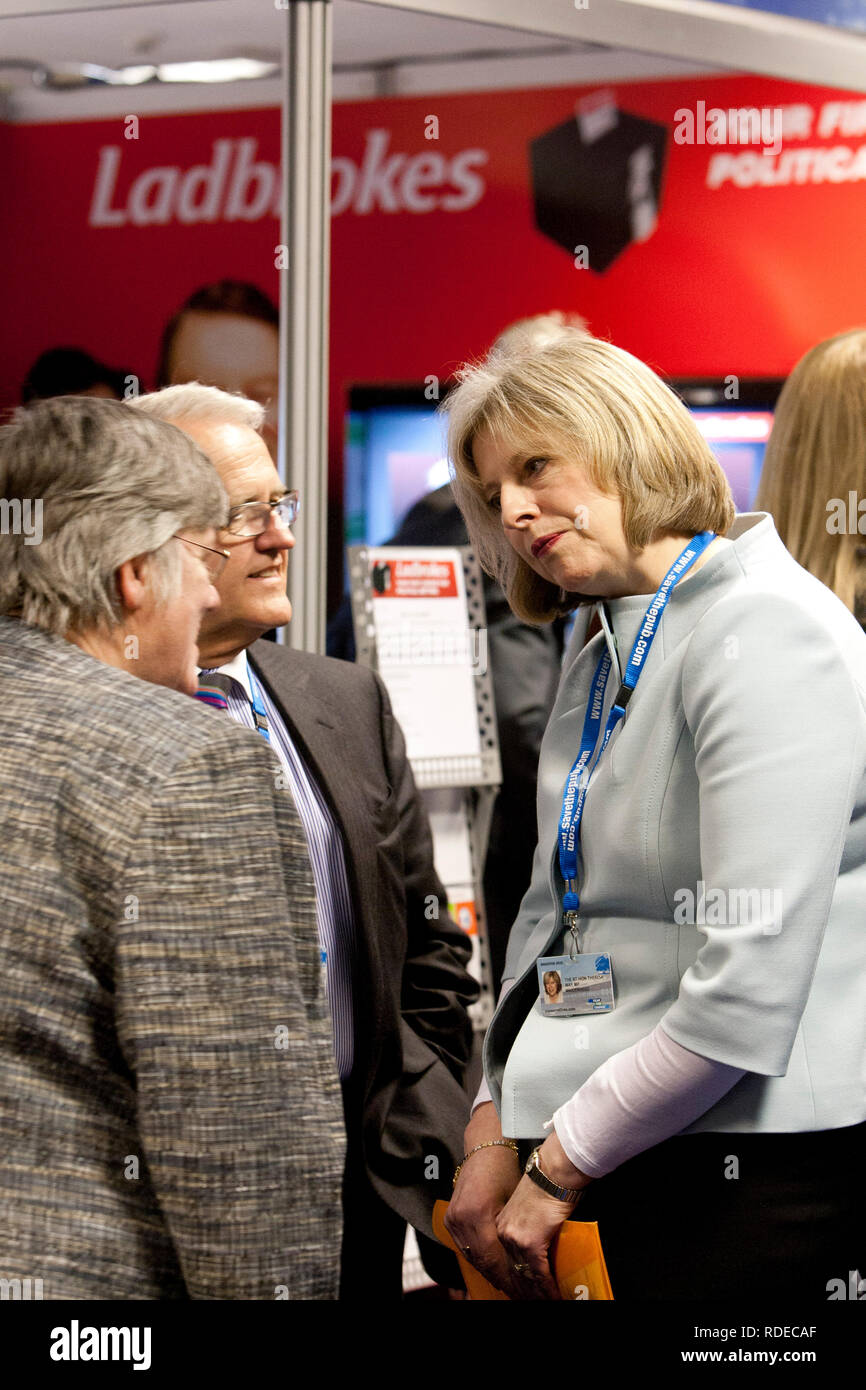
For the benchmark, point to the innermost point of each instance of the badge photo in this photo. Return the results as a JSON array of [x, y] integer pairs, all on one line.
[[569, 985]]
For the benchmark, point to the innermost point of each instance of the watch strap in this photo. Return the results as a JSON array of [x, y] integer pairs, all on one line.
[[534, 1171]]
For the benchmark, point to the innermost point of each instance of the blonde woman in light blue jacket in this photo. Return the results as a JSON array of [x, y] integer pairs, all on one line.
[[700, 876]]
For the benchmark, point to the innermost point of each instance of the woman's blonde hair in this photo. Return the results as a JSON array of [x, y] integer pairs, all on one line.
[[817, 454], [614, 416]]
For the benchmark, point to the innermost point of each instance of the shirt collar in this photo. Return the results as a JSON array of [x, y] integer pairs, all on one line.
[[238, 668]]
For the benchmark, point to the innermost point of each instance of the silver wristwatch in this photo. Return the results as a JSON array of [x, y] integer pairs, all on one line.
[[533, 1170]]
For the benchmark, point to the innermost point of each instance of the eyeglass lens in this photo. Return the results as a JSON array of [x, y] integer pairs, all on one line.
[[252, 519]]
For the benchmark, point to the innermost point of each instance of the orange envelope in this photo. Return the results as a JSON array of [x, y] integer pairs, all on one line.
[[578, 1262]]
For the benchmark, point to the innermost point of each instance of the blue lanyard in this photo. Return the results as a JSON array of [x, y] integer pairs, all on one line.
[[259, 712], [576, 786]]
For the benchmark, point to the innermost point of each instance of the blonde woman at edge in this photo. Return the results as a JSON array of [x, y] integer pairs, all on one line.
[[816, 461], [712, 1120]]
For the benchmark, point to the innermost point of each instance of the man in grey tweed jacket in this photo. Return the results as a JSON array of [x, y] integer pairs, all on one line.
[[170, 1114]]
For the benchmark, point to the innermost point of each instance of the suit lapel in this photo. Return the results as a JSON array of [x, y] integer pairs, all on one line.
[[319, 731]]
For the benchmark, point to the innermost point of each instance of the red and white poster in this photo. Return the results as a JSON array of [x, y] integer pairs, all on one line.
[[452, 216], [427, 654], [414, 579]]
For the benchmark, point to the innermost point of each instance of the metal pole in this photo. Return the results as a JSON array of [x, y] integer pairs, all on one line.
[[304, 305]]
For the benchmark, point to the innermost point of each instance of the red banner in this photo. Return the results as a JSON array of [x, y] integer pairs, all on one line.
[[705, 240]]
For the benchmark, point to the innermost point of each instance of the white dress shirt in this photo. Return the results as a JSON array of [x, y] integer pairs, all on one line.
[[336, 921]]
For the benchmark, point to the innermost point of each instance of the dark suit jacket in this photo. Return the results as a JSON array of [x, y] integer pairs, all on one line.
[[412, 1033], [158, 944]]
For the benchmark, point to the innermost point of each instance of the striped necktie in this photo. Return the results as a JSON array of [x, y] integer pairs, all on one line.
[[215, 688]]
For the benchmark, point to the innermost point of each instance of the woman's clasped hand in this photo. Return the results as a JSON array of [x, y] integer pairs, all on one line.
[[503, 1223]]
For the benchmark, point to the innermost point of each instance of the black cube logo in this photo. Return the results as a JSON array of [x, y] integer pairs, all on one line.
[[597, 180]]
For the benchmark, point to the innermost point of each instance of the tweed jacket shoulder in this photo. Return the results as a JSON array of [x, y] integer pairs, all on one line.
[[170, 1114]]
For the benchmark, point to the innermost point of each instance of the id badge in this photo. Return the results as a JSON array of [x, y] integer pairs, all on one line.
[[570, 985]]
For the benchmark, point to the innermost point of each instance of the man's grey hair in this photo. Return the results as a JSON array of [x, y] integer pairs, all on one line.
[[112, 485], [193, 403]]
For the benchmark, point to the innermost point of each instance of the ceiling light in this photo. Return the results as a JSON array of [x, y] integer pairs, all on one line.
[[69, 76]]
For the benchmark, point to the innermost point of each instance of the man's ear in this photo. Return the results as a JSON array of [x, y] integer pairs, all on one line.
[[133, 581]]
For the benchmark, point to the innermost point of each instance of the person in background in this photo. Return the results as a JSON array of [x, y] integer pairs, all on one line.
[[158, 945], [226, 335], [524, 662], [395, 962], [525, 335], [701, 855], [70, 371], [815, 459]]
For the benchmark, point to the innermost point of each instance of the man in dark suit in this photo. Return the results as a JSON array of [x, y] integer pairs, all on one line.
[[395, 962], [170, 1115]]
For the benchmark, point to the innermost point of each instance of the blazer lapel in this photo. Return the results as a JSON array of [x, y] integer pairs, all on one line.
[[320, 733]]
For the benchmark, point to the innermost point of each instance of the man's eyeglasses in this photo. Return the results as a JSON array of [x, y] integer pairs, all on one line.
[[252, 518], [214, 561]]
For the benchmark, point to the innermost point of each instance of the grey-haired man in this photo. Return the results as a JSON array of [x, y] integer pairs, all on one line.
[[396, 963], [158, 941]]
